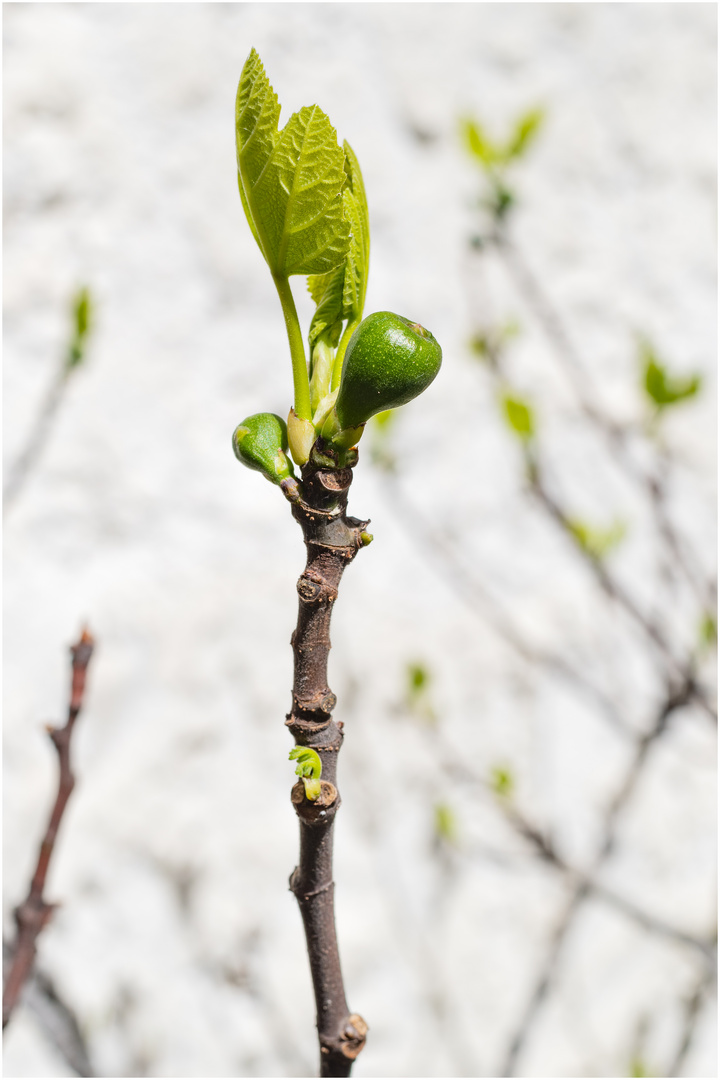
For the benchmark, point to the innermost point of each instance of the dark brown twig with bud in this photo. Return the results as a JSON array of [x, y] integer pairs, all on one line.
[[332, 540], [34, 913]]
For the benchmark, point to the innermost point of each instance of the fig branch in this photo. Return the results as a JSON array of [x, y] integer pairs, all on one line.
[[304, 199], [332, 540]]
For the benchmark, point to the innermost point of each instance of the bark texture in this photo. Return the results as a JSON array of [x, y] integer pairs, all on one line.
[[332, 540]]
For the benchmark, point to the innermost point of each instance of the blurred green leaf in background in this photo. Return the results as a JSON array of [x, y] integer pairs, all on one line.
[[662, 388], [493, 154], [445, 824], [417, 693], [519, 416], [496, 156], [82, 323], [502, 781], [708, 631], [597, 542]]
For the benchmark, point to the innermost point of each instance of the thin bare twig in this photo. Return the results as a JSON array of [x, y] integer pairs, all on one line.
[[548, 852], [705, 590], [34, 913], [23, 465], [55, 1019], [54, 1016], [693, 1008]]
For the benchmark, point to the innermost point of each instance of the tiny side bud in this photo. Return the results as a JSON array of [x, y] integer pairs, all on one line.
[[301, 436]]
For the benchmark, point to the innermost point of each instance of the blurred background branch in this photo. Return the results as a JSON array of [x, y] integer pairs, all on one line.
[[40, 433], [675, 656]]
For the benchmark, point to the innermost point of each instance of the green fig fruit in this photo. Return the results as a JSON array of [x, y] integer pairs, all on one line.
[[389, 361], [260, 443]]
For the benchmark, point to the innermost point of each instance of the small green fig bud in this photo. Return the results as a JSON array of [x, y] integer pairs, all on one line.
[[389, 361], [260, 443], [301, 436]]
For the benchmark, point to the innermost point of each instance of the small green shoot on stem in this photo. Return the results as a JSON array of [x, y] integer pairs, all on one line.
[[309, 768]]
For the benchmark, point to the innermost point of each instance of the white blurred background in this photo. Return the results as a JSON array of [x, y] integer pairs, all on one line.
[[465, 637]]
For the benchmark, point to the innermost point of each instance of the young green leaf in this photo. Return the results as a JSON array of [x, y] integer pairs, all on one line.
[[662, 388], [492, 156], [502, 782], [526, 128], [708, 630], [445, 824], [418, 692], [327, 292], [478, 143], [519, 416], [290, 181], [340, 294], [597, 542], [357, 263], [418, 679], [82, 315], [309, 768]]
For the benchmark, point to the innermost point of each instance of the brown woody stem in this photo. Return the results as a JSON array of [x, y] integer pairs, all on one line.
[[332, 540], [34, 913]]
